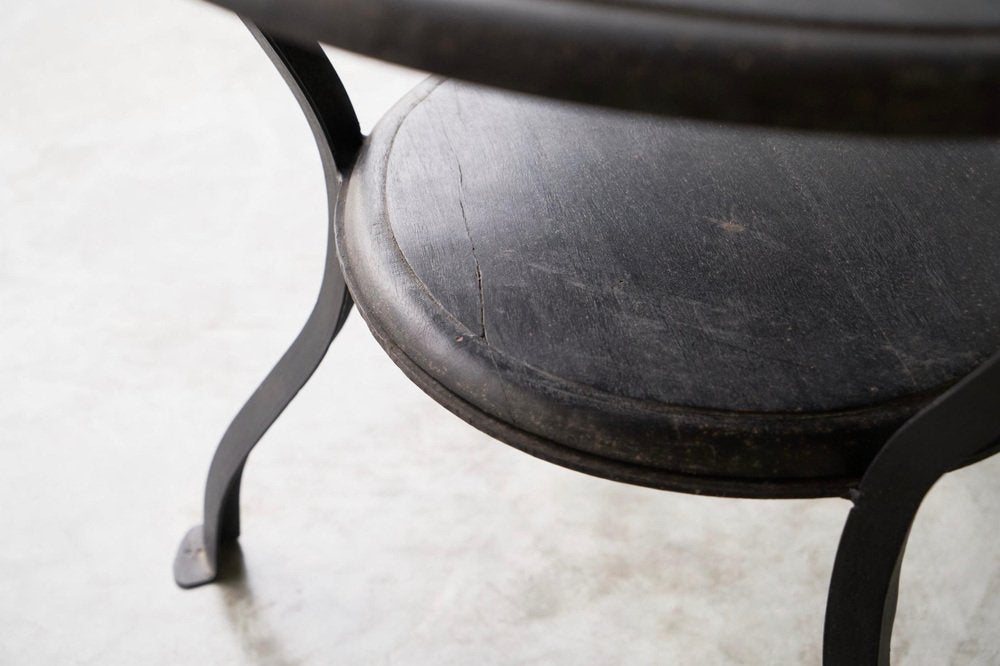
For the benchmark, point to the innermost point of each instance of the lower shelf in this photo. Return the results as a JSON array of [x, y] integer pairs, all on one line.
[[731, 309]]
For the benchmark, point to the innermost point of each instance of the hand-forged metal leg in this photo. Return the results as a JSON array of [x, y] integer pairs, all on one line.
[[308, 72], [962, 424]]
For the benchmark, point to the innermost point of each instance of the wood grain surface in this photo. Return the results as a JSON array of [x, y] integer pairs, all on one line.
[[644, 286]]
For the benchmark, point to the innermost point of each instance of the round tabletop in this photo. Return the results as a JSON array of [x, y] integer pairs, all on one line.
[[885, 66]]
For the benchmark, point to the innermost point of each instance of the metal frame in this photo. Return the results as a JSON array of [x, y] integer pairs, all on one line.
[[960, 426], [325, 103]]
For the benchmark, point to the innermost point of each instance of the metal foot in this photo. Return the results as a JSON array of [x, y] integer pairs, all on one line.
[[962, 424], [191, 566], [316, 86]]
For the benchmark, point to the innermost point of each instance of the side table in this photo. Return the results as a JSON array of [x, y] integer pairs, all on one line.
[[780, 280]]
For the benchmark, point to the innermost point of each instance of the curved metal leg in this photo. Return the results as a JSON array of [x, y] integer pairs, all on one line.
[[962, 423], [315, 84]]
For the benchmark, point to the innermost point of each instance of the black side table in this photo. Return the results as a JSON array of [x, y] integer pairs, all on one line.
[[782, 283]]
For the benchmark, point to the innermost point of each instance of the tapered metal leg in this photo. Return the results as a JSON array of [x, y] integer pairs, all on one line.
[[324, 101], [960, 425]]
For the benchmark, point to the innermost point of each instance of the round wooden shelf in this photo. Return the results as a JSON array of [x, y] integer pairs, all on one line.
[[673, 303]]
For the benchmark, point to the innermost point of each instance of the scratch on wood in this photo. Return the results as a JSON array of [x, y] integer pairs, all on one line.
[[472, 244]]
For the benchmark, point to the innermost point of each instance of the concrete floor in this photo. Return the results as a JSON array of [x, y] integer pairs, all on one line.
[[161, 233]]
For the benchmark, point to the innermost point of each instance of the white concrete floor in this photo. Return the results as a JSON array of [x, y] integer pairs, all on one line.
[[161, 232]]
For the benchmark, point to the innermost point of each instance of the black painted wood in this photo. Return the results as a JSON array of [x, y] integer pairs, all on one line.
[[740, 311], [884, 66]]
